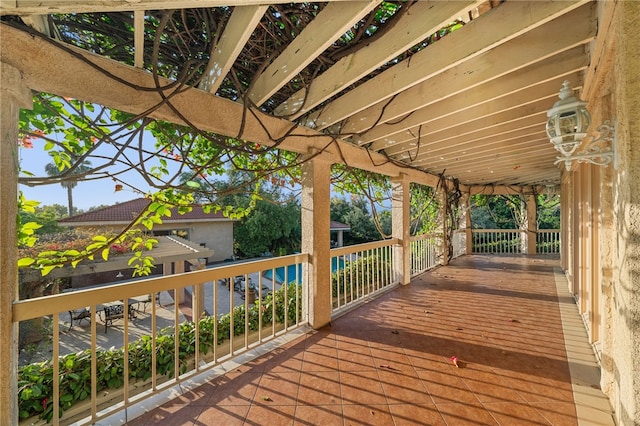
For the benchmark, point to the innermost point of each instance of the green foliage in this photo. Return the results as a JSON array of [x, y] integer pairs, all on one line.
[[35, 381], [424, 209], [507, 211], [46, 216], [355, 214], [496, 211], [270, 227]]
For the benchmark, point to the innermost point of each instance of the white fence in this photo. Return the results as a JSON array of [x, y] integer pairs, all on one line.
[[514, 241], [426, 252], [360, 271], [119, 351], [548, 241]]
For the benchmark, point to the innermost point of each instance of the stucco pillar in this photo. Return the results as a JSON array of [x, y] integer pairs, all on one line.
[[340, 237], [532, 224], [400, 228], [445, 227], [13, 96], [468, 225], [316, 241]]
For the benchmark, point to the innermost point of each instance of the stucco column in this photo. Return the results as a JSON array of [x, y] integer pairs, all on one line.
[[400, 228], [468, 225], [340, 237], [445, 227], [532, 224], [316, 240], [13, 96]]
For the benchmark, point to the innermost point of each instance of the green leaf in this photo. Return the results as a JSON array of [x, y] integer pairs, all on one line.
[[25, 261]]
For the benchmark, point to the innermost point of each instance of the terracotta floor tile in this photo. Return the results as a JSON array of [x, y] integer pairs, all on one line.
[[319, 387], [388, 362], [447, 387], [320, 359], [489, 387], [400, 387], [416, 414], [507, 413], [361, 387], [318, 415], [557, 413], [278, 388], [465, 414], [355, 357], [228, 415], [367, 415], [183, 416], [272, 415], [238, 389]]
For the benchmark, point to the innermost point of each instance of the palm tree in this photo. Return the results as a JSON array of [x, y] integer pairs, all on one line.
[[52, 170]]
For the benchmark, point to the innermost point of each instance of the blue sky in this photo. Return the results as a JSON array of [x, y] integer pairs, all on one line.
[[85, 194]]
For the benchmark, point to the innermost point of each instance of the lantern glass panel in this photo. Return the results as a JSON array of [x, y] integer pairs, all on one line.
[[551, 127], [568, 123]]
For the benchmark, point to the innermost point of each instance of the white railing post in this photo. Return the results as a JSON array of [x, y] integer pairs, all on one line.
[[400, 218], [13, 96], [316, 240]]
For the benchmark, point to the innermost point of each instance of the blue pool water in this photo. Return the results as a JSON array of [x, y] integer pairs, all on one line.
[[294, 272]]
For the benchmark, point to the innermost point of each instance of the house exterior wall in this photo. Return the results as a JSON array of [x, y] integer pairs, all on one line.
[[602, 212], [214, 235]]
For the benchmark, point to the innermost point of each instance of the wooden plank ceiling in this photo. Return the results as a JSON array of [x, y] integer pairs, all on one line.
[[471, 105]]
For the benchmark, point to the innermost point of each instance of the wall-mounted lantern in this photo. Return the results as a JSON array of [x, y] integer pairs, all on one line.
[[567, 124]]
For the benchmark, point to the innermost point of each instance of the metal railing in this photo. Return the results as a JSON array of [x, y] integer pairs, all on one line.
[[360, 271], [425, 252], [86, 372], [548, 241]]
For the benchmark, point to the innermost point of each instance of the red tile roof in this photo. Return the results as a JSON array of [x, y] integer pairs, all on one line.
[[129, 210]]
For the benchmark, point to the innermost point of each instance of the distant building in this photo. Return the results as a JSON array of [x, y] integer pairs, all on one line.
[[210, 230]]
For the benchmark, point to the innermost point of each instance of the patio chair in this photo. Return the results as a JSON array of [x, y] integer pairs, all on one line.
[[78, 315]]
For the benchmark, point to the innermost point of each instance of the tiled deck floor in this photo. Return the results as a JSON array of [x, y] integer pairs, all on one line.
[[388, 362]]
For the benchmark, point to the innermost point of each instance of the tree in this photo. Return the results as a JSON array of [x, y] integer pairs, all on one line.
[[357, 216], [79, 168], [47, 216], [271, 227]]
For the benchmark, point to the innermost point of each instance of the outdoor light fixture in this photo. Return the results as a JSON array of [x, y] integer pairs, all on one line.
[[567, 124]]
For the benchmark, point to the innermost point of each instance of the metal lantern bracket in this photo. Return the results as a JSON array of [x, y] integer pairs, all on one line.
[[600, 150]]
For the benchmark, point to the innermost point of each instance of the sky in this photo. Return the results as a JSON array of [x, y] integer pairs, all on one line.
[[85, 194]]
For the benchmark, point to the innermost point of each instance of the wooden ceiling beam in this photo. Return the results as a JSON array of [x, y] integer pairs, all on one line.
[[545, 92], [328, 26], [421, 20], [46, 65], [524, 116], [463, 59], [525, 150], [237, 32], [40, 7], [559, 66]]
